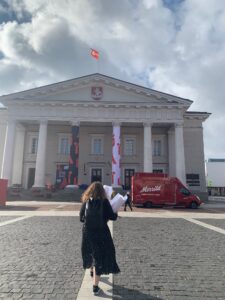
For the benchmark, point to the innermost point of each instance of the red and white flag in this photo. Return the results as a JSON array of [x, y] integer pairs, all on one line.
[[95, 53]]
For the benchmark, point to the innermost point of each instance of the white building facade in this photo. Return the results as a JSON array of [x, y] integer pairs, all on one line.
[[99, 128], [215, 170]]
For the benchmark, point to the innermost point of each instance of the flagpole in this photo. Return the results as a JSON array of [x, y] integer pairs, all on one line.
[[95, 54], [98, 66]]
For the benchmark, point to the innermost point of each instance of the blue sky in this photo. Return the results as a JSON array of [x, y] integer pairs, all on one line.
[[176, 47]]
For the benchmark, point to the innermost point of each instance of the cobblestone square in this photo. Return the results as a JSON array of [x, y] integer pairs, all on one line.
[[159, 257], [168, 259]]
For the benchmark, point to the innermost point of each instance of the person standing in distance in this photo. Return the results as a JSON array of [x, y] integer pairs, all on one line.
[[98, 251], [128, 202]]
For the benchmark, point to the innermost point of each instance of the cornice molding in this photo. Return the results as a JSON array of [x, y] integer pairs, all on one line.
[[99, 104], [196, 116], [98, 114]]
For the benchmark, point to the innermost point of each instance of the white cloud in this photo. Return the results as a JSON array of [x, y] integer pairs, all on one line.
[[179, 51]]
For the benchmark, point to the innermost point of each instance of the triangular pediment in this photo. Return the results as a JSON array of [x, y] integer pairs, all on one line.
[[97, 88]]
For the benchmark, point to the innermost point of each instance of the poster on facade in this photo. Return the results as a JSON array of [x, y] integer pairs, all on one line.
[[116, 156]]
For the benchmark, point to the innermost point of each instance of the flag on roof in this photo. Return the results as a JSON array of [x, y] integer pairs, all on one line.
[[95, 53]]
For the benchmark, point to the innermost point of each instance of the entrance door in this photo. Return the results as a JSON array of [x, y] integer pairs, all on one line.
[[96, 175], [31, 175], [128, 173]]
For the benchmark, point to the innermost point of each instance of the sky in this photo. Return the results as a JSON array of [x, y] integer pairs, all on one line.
[[174, 46]]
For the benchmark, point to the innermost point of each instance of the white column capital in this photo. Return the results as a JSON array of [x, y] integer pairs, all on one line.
[[12, 121], [43, 122], [147, 124], [116, 123], [179, 124], [75, 123]]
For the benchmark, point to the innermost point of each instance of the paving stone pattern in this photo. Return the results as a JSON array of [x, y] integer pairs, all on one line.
[[40, 259], [168, 259]]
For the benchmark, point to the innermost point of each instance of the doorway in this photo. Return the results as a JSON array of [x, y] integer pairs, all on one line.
[[31, 175], [128, 173], [96, 175]]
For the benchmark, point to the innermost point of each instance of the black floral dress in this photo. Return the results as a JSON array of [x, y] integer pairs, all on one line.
[[97, 246]]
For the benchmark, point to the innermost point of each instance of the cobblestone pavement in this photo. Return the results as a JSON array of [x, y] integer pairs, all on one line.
[[40, 259], [168, 259], [160, 258]]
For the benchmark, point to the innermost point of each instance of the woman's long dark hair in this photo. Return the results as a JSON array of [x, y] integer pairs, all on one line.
[[95, 191]]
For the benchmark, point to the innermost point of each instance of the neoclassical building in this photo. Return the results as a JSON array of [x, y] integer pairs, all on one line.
[[99, 128]]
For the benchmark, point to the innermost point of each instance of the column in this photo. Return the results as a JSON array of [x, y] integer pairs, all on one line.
[[116, 172], [9, 152], [171, 150], [148, 147], [179, 153], [39, 180], [74, 154], [18, 155]]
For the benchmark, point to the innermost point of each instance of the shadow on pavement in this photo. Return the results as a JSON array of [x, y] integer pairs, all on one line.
[[120, 292]]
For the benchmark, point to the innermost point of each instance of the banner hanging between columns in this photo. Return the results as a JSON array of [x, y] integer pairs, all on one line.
[[116, 181], [74, 157]]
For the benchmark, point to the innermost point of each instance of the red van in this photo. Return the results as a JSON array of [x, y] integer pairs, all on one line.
[[149, 189]]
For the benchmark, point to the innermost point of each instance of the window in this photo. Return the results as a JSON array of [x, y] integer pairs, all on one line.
[[193, 179], [64, 143], [157, 148], [97, 145], [64, 146], [34, 145], [129, 146], [185, 192]]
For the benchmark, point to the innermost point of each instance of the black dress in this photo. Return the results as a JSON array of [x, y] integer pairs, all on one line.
[[97, 246]]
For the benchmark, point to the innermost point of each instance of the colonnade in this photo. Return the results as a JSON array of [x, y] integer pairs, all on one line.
[[39, 180]]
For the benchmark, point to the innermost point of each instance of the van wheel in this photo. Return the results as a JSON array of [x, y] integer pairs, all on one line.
[[193, 205], [148, 204]]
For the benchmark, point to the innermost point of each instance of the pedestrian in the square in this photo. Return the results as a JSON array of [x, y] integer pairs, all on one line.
[[128, 202], [98, 251]]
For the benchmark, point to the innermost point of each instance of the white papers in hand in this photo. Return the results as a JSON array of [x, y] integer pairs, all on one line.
[[117, 202], [108, 190]]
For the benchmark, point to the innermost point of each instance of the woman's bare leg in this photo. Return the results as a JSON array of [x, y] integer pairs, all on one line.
[[96, 278]]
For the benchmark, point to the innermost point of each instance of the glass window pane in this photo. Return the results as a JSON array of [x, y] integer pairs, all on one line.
[[34, 145], [97, 146], [129, 146], [64, 146], [157, 148]]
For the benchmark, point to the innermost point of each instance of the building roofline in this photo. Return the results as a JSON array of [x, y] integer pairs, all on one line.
[[93, 75]]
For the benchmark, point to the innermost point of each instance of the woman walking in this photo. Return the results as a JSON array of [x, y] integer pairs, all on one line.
[[98, 251]]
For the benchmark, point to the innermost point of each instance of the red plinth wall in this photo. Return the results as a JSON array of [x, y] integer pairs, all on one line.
[[3, 191]]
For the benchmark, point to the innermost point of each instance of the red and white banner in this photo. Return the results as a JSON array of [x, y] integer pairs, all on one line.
[[116, 181]]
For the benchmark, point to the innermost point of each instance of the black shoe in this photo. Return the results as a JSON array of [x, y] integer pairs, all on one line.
[[96, 290]]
